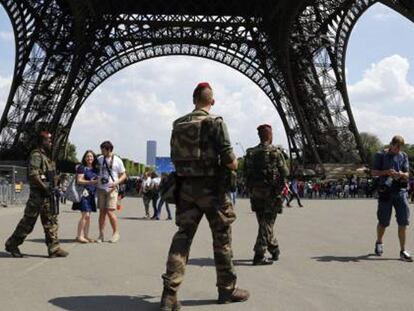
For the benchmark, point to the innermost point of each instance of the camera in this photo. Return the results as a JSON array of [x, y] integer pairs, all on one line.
[[104, 180]]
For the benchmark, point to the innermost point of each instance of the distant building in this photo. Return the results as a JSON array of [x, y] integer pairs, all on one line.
[[151, 152], [164, 165]]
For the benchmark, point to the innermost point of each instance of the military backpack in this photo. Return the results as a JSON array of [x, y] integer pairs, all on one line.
[[192, 146], [260, 167]]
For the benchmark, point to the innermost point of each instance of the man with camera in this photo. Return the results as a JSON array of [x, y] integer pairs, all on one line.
[[111, 174], [42, 172], [392, 168]]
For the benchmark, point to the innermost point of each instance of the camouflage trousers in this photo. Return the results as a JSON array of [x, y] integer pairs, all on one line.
[[195, 200], [266, 213], [37, 204]]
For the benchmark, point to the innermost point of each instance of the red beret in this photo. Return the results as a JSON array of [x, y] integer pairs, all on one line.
[[263, 127], [203, 85], [45, 134], [200, 87]]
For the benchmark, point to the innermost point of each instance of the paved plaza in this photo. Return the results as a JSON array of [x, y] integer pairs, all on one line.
[[326, 264]]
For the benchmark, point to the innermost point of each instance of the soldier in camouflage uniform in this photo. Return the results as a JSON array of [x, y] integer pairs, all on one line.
[[265, 171], [40, 167], [199, 146]]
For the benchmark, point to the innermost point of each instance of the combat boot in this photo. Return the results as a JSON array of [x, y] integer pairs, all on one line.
[[235, 295], [13, 250], [169, 301], [275, 254], [261, 260], [59, 253]]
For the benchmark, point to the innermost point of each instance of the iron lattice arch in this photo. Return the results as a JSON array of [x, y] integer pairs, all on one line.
[[294, 52]]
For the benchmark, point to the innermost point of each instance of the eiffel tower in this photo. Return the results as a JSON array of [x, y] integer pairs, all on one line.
[[293, 50]]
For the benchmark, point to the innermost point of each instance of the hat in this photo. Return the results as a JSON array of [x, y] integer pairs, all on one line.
[[263, 127], [45, 134], [203, 85]]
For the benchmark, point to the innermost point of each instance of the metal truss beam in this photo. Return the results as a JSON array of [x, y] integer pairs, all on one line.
[[295, 52]]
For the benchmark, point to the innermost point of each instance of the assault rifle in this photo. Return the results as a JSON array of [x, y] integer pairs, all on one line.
[[54, 193]]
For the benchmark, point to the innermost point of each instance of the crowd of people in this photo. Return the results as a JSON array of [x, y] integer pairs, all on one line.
[[203, 158]]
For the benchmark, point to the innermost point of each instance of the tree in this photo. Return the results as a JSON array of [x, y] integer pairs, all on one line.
[[71, 153], [370, 144]]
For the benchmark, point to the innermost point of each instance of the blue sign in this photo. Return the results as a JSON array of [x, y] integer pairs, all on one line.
[[164, 165]]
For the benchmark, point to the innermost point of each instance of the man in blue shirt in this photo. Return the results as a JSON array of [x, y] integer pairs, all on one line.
[[294, 193], [392, 168]]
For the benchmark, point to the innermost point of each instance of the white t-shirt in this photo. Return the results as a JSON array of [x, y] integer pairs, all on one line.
[[146, 184], [116, 168], [155, 182]]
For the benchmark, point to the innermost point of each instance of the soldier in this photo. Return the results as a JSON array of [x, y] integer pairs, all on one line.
[[200, 149], [265, 171], [42, 171]]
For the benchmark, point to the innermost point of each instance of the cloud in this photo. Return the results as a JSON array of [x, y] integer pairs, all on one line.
[[381, 13], [384, 126], [385, 85], [5, 83], [6, 36], [382, 101], [140, 103]]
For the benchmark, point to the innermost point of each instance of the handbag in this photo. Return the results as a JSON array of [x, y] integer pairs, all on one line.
[[74, 192]]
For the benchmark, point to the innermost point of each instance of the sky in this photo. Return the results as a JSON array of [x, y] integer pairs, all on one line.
[[140, 102]]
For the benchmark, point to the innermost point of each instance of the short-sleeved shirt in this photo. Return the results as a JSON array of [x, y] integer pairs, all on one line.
[[116, 167], [88, 174], [39, 165], [146, 185], [155, 182], [385, 160]]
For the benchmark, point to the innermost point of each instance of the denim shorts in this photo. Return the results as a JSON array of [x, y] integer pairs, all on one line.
[[402, 211]]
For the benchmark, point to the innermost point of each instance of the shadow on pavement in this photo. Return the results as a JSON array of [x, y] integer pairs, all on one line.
[[243, 262], [371, 257], [136, 218], [209, 262], [190, 303], [62, 241], [106, 303], [7, 255], [202, 262]]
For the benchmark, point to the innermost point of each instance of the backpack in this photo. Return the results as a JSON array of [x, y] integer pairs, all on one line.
[[192, 150], [260, 169]]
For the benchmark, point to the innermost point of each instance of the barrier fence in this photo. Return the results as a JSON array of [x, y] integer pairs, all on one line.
[[13, 194]]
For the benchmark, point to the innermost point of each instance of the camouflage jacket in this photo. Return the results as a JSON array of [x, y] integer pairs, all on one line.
[[200, 143], [40, 165], [265, 167]]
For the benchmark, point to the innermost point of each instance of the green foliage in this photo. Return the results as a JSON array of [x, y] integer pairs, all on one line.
[[409, 150], [240, 167], [371, 144], [71, 152], [68, 154], [133, 168]]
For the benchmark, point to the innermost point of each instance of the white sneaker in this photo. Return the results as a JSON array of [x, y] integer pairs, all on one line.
[[379, 249], [100, 239], [115, 238], [405, 256]]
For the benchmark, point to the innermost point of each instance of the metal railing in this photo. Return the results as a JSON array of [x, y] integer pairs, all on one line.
[[14, 194]]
